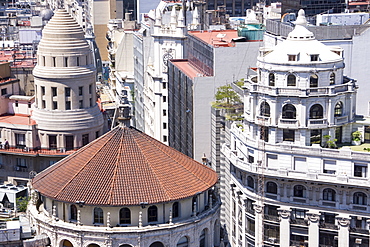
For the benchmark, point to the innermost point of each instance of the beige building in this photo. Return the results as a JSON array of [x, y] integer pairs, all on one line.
[[126, 189]]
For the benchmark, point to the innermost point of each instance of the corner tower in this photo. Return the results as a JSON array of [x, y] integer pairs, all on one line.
[[65, 102]]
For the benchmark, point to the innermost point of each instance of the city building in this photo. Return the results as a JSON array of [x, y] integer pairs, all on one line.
[[286, 183], [214, 58], [126, 189], [161, 38], [312, 7], [63, 115]]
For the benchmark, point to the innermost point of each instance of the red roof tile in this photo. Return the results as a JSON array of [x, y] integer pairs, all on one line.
[[124, 167]]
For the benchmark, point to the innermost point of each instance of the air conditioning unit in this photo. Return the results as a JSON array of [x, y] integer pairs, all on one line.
[[358, 241], [272, 240]]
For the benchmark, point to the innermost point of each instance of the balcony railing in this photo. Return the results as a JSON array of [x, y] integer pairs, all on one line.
[[271, 217], [341, 120], [330, 226], [288, 122], [359, 230], [317, 122]]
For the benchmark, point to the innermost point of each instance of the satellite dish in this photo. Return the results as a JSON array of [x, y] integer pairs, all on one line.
[[221, 35]]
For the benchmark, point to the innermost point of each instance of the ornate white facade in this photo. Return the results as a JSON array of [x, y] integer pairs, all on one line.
[[287, 186]]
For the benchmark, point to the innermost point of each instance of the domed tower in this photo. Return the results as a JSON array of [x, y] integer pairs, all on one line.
[[301, 94], [65, 102]]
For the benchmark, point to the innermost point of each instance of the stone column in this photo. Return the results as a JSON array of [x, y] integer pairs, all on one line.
[[343, 232], [313, 228], [243, 198], [258, 208], [284, 213]]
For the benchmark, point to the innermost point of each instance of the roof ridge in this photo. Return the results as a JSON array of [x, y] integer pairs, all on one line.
[[149, 163], [118, 157], [86, 163]]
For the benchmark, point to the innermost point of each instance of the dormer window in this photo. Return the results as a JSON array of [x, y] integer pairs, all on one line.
[[314, 58], [292, 57]]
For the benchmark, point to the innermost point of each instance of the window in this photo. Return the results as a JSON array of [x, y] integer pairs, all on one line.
[[42, 90], [360, 170], [43, 61], [265, 109], [67, 91], [338, 109], [175, 210], [271, 80], [315, 137], [164, 138], [124, 216], [66, 62], [328, 195], [80, 90], [81, 104], [96, 134], [20, 140], [78, 61], [359, 198], [316, 112], [90, 102], [164, 99], [69, 143], [289, 112], [164, 85], [43, 104], [55, 105], [152, 214], [29, 104], [288, 135], [54, 91], [298, 213], [4, 91], [291, 80], [292, 57], [73, 212], [183, 242], [164, 125], [332, 79], [299, 191], [330, 166], [314, 81], [54, 63], [250, 182], [264, 133], [314, 58], [21, 163], [271, 188], [68, 105], [16, 103], [90, 89], [98, 216], [52, 141], [85, 139], [164, 112]]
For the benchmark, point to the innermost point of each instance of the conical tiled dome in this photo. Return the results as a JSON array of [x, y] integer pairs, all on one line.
[[124, 167]]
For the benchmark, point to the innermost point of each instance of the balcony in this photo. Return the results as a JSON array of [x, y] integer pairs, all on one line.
[[288, 123], [341, 120], [359, 231], [261, 120], [328, 226], [317, 123]]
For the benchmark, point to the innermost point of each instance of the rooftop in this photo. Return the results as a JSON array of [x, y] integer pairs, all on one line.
[[222, 38], [187, 68], [124, 167]]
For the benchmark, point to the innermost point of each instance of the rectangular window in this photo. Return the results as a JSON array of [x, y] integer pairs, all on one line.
[[164, 125], [67, 91], [43, 61], [52, 142], [164, 138], [69, 143], [16, 103], [90, 102], [264, 133], [20, 140], [42, 90], [85, 139], [314, 58], [68, 105], [164, 112], [80, 90], [90, 89], [360, 170], [78, 61], [288, 135], [300, 164], [54, 62], [21, 162], [66, 62], [292, 57], [164, 99], [29, 104], [97, 134], [316, 136], [55, 105], [330, 166], [43, 104], [4, 91], [81, 104], [54, 91], [164, 85]]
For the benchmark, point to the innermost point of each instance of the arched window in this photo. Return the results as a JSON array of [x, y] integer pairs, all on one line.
[[203, 239], [299, 191], [265, 109], [271, 188], [98, 216], [93, 245], [271, 80], [338, 110], [328, 195], [250, 182], [316, 112], [125, 245], [359, 198], [156, 244], [289, 111], [152, 214], [291, 80], [175, 210], [73, 209], [66, 243], [314, 81], [183, 242], [332, 79], [124, 216]]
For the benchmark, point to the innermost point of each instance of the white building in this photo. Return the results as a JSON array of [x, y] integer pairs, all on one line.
[[284, 185], [126, 189]]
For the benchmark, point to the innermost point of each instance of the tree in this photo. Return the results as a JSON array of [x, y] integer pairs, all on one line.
[[22, 203], [226, 95]]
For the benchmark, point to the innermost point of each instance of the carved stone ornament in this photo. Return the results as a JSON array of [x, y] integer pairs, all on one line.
[[343, 221], [258, 208], [284, 213], [313, 217]]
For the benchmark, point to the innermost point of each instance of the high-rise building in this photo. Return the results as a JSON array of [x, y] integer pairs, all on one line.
[[287, 182], [312, 7]]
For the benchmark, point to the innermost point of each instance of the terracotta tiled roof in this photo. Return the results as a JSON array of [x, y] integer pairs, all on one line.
[[124, 167]]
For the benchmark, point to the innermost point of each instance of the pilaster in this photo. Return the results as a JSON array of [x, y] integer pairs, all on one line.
[[313, 228], [343, 232], [284, 215]]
